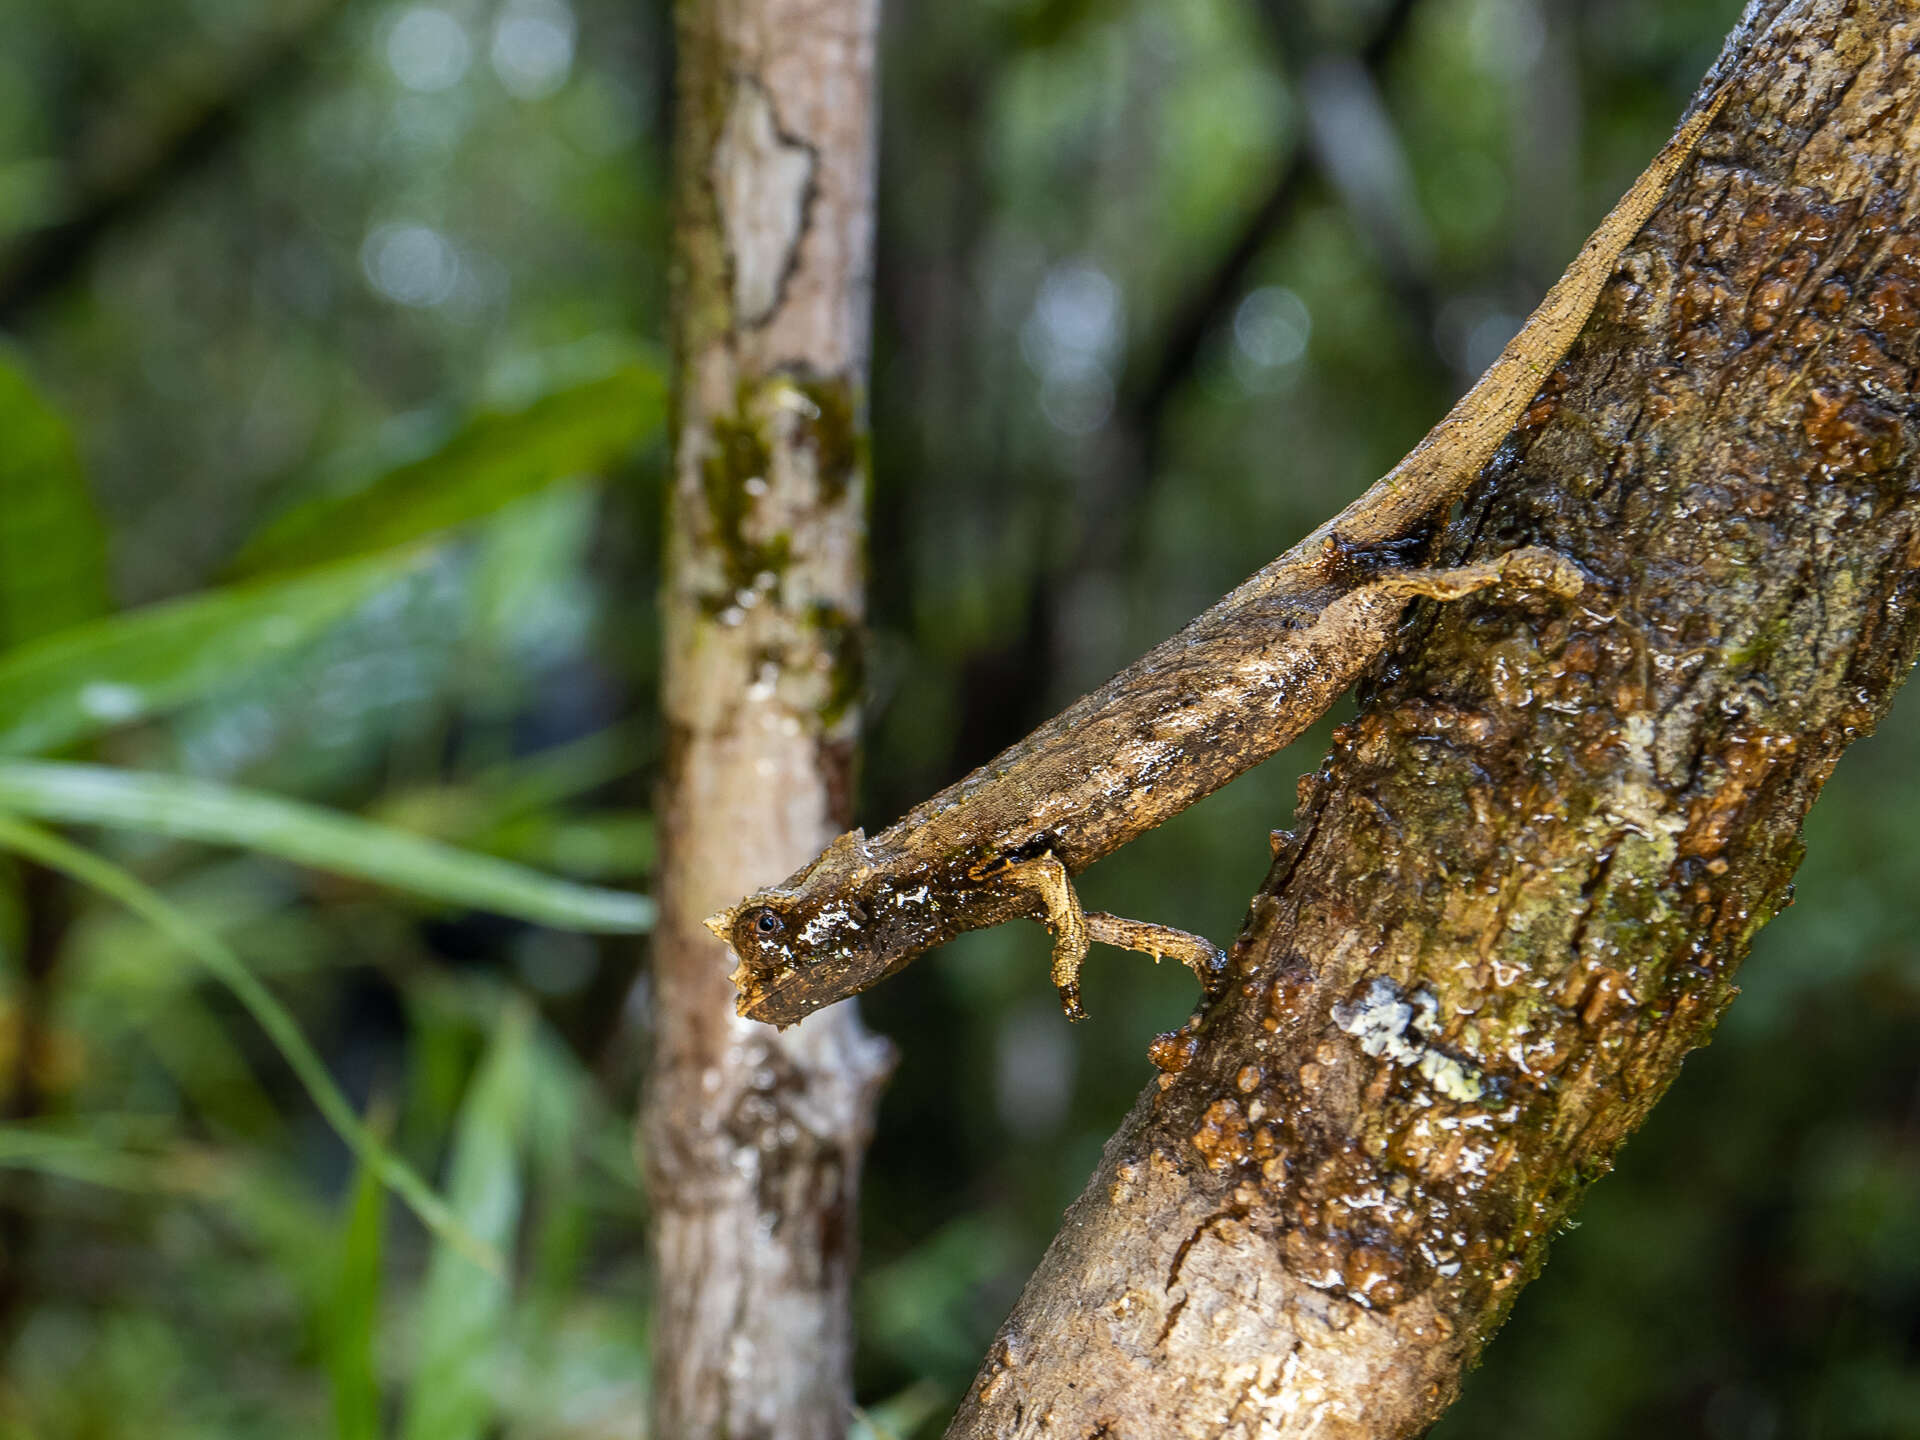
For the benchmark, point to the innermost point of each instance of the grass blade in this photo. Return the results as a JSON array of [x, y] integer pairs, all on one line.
[[497, 457], [218, 814], [92, 678], [79, 1157], [463, 1313], [353, 1307], [53, 548], [899, 1416], [117, 884]]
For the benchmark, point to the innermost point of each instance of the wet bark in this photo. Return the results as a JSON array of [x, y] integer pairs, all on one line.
[[1522, 881], [753, 1139]]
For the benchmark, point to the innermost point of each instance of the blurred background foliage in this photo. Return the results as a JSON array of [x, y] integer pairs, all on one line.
[[330, 458]]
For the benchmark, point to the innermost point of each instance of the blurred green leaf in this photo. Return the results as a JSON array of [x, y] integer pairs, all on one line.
[[282, 1222], [226, 815], [899, 1416], [560, 1102], [110, 880], [612, 845], [495, 458], [920, 1308], [184, 1035], [464, 1310], [33, 193], [77, 1155], [89, 679], [132, 1001], [53, 551], [354, 1306], [442, 1043], [530, 593], [547, 777], [510, 810]]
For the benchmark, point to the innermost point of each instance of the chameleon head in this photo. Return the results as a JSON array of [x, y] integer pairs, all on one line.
[[810, 940]]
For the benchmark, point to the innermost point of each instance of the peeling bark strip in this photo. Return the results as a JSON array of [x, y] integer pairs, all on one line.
[[753, 1140], [762, 181], [1526, 874]]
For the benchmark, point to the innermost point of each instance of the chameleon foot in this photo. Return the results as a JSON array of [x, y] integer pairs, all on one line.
[[1047, 879], [1531, 566], [1074, 929]]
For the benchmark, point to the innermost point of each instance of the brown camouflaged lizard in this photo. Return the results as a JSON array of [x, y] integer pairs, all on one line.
[[1228, 691]]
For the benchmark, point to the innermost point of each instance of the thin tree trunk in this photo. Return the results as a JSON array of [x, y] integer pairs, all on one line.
[[1524, 878], [753, 1139]]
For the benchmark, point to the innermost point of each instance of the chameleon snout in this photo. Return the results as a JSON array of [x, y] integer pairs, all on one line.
[[721, 924]]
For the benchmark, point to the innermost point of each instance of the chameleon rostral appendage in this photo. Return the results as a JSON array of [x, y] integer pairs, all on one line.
[[1233, 687]]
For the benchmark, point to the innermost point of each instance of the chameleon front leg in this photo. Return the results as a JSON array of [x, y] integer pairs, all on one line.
[[1075, 928], [1046, 879]]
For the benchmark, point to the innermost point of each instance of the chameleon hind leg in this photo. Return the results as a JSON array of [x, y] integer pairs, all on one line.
[[1074, 929], [1529, 567], [1199, 954]]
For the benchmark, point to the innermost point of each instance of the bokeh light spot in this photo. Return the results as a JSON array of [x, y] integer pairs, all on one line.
[[410, 264], [428, 49], [533, 48], [1069, 337], [1271, 326], [1079, 309]]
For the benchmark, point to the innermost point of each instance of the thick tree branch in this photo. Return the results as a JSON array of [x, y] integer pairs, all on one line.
[[1523, 880]]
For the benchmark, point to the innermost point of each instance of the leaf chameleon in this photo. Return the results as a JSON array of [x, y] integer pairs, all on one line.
[[1233, 687]]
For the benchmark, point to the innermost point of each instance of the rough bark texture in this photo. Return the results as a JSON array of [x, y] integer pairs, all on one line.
[[1523, 879], [753, 1139]]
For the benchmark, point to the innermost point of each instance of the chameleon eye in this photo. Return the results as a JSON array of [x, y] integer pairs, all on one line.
[[765, 922]]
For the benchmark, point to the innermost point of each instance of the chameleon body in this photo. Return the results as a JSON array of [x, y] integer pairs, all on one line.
[[1228, 691]]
